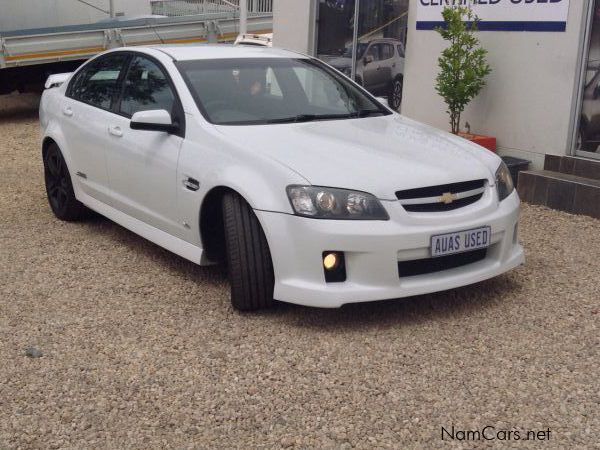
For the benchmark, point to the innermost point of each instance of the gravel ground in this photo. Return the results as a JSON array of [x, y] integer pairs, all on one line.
[[141, 349]]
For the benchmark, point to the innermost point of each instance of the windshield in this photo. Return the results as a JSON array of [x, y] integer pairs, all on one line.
[[250, 91]]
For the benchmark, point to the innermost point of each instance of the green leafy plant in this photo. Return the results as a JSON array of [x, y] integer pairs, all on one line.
[[463, 65]]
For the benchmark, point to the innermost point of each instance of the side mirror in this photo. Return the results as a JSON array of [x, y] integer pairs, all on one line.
[[368, 59], [154, 120], [57, 80]]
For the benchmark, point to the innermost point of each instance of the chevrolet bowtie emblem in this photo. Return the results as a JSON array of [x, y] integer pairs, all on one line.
[[448, 197]]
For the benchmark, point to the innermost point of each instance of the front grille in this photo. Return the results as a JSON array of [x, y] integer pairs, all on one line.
[[436, 207], [431, 198], [432, 265]]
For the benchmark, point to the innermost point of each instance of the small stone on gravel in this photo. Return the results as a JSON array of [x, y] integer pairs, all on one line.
[[33, 352]]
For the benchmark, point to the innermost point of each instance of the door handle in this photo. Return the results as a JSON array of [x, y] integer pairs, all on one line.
[[191, 183], [115, 131], [67, 112]]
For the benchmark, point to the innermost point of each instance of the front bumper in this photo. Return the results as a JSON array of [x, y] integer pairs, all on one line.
[[373, 248]]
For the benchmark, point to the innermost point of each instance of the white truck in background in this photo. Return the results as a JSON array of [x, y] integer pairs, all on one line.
[[29, 56]]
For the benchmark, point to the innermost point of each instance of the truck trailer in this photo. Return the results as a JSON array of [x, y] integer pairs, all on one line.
[[29, 56]]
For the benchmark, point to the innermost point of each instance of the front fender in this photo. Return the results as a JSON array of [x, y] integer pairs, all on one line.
[[215, 160], [262, 190], [216, 163]]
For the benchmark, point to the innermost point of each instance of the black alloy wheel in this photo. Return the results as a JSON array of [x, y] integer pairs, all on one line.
[[59, 188]]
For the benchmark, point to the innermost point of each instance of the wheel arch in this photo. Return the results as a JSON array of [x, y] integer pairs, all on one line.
[[46, 143], [54, 136], [210, 219], [398, 77], [211, 225]]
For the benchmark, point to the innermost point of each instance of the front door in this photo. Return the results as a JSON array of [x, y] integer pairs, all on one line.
[[142, 165]]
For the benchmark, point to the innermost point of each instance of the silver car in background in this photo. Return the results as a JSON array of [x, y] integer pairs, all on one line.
[[379, 67]]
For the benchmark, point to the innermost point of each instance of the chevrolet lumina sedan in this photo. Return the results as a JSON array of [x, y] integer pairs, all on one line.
[[275, 164]]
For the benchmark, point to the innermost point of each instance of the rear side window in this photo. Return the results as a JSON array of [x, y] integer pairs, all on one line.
[[98, 83], [146, 88]]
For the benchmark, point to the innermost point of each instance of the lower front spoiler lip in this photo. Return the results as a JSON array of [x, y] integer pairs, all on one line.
[[349, 292]]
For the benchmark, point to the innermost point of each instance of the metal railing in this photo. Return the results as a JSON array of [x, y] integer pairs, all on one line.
[[176, 8]]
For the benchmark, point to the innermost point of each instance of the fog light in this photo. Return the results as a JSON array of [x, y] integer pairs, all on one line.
[[334, 265], [330, 261]]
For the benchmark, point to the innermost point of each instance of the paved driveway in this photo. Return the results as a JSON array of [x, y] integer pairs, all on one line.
[[141, 349]]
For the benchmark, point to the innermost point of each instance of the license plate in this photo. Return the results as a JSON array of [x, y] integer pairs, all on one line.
[[460, 241]]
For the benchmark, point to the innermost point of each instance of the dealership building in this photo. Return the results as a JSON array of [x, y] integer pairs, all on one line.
[[541, 101]]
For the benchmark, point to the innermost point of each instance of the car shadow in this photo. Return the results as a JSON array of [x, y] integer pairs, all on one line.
[[459, 302], [100, 225]]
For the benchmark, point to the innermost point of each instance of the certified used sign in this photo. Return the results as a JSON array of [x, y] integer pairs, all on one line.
[[500, 15]]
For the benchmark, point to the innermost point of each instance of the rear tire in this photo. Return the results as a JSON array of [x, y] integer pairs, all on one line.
[[248, 256], [59, 187], [395, 94]]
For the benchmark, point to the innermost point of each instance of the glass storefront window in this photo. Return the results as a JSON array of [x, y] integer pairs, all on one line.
[[379, 50], [588, 133], [335, 33]]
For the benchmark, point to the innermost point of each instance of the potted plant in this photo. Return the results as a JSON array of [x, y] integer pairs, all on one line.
[[463, 68]]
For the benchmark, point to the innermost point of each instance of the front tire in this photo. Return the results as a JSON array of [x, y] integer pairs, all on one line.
[[248, 256], [59, 187]]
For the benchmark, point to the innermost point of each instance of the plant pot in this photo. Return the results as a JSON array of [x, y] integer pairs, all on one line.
[[488, 142]]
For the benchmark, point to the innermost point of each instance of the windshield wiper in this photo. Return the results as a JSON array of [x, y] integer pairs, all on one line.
[[367, 113], [309, 118], [313, 117]]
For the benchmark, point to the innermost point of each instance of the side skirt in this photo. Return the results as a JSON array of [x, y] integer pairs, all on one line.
[[173, 244]]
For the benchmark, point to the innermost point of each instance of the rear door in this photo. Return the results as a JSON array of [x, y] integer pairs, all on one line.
[[86, 110], [142, 165]]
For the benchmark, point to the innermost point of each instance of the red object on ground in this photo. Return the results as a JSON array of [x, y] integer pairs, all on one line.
[[488, 142]]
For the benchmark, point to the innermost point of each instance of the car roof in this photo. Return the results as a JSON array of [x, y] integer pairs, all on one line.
[[222, 51]]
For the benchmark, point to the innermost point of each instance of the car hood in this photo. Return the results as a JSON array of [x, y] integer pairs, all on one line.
[[379, 155], [340, 63]]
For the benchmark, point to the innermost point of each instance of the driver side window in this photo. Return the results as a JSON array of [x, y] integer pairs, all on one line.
[[374, 52], [146, 88]]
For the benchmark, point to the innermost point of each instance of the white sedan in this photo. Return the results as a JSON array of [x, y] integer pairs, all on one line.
[[308, 188]]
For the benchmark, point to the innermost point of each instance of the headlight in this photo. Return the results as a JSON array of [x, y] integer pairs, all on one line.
[[504, 182], [330, 203]]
